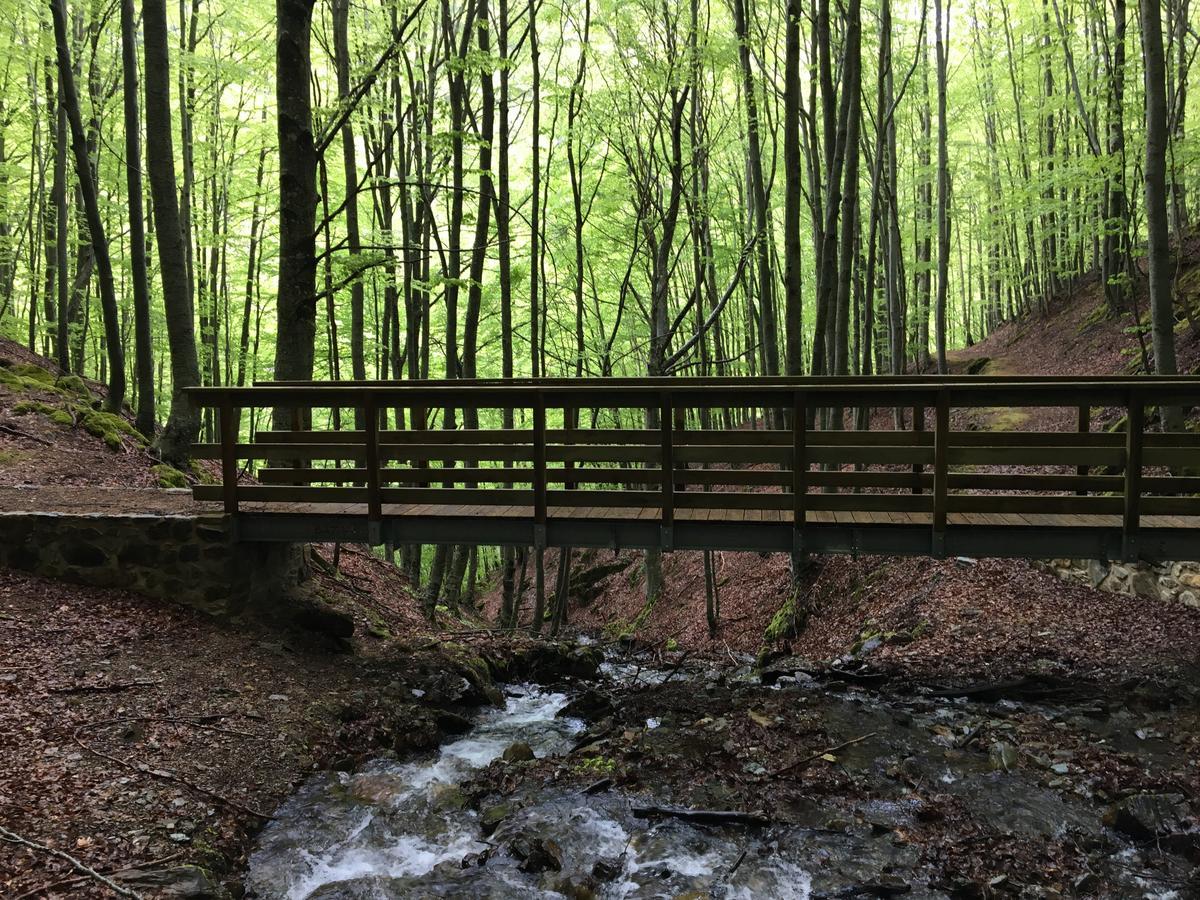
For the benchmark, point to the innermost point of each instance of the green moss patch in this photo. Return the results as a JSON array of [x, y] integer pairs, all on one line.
[[789, 620], [872, 636], [168, 476], [12, 457], [110, 428], [26, 377]]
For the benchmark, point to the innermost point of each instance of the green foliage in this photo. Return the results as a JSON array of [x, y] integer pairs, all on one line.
[[601, 766]]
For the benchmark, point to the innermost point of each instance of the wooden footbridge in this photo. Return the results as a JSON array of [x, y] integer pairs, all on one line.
[[654, 463]]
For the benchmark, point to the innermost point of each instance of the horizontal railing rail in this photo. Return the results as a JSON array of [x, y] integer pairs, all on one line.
[[654, 455]]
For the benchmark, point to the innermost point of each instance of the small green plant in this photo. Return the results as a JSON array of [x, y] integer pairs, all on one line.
[[597, 765]]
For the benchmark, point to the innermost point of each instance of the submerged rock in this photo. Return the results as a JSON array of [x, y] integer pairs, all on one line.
[[492, 816]]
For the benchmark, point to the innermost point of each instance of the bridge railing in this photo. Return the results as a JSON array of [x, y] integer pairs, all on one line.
[[653, 455]]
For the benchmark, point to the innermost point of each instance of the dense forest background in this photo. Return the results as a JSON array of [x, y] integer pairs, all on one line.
[[462, 188]]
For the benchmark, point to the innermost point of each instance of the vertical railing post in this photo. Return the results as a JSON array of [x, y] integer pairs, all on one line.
[[1134, 433], [374, 494], [1085, 425], [539, 469], [799, 470], [229, 419], [667, 465], [569, 414], [298, 425], [941, 442], [918, 428]]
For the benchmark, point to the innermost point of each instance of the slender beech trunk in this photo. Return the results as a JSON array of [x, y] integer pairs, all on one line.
[[943, 183], [341, 44], [91, 204], [143, 340], [1162, 306], [183, 422]]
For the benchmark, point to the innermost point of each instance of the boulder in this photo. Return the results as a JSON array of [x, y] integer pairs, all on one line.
[[1145, 585], [1147, 816], [1002, 756], [518, 751], [589, 705], [537, 855]]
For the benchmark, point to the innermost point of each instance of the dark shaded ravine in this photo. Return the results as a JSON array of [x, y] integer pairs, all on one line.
[[930, 782]]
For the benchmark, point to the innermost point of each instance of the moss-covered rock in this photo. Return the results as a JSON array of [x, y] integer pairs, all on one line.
[[109, 427], [873, 636], [73, 384], [30, 372], [27, 377], [203, 475], [56, 414], [168, 476], [789, 620]]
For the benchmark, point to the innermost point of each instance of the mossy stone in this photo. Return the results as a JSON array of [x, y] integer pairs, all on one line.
[[168, 476]]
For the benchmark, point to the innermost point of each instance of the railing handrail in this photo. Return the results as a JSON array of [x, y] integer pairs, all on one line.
[[881, 392]]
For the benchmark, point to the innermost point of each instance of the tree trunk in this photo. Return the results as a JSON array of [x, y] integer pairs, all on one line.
[[295, 329], [91, 203], [943, 187], [143, 341], [1162, 307], [341, 44], [793, 284], [183, 422]]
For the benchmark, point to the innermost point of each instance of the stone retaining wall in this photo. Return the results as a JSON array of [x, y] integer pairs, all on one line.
[[1177, 582], [184, 559]]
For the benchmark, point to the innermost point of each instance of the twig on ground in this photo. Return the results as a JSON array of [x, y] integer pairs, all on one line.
[[808, 760], [67, 882], [14, 838], [198, 721], [737, 863], [675, 668], [17, 432]]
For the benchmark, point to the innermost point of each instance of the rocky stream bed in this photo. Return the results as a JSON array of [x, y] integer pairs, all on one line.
[[662, 777]]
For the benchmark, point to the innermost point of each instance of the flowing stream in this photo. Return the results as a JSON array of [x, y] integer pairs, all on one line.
[[406, 829], [403, 830]]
